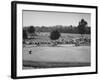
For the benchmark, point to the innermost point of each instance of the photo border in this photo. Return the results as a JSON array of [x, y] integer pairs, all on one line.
[[14, 38]]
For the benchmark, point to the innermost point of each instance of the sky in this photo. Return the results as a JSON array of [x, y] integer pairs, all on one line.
[[44, 18]]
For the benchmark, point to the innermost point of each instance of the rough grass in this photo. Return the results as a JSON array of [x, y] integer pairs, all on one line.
[[39, 64], [45, 36]]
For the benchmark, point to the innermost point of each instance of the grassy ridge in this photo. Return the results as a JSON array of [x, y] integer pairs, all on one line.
[[38, 64]]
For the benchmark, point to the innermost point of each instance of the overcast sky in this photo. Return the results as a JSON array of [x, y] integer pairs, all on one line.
[[43, 18]]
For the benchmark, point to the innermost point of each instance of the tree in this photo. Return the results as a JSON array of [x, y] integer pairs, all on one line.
[[82, 26], [31, 31], [54, 35], [24, 34]]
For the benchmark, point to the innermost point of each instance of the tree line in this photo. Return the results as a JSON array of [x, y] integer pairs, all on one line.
[[55, 31], [63, 29], [82, 28]]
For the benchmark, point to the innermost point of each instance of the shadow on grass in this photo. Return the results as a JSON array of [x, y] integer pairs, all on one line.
[[37, 64]]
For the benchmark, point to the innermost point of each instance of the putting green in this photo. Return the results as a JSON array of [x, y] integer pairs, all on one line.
[[57, 54]]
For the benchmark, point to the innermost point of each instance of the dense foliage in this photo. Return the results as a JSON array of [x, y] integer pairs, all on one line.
[[82, 26], [24, 34], [54, 35], [31, 29], [61, 29]]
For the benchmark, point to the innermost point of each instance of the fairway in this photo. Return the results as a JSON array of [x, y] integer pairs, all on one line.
[[66, 54]]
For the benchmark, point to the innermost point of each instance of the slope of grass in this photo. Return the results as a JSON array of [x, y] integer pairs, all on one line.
[[56, 56]]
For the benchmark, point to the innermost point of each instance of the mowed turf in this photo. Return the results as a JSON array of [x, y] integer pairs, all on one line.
[[45, 36], [67, 56]]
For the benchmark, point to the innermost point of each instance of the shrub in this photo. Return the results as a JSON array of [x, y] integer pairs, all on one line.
[[54, 35]]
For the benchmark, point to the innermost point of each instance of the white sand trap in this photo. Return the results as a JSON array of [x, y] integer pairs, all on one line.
[[58, 54]]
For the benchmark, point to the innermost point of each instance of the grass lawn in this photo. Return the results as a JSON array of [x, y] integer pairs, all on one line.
[[47, 57]]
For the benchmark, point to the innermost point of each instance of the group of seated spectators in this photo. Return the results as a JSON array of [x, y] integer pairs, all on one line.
[[77, 42]]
